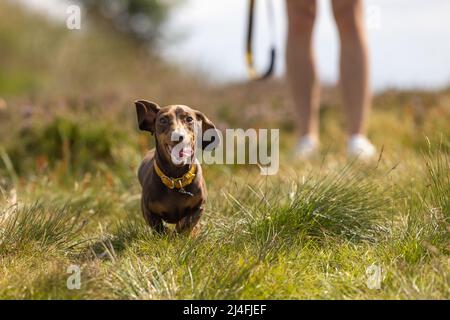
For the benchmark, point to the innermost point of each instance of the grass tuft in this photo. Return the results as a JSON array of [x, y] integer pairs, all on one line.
[[348, 203], [50, 227]]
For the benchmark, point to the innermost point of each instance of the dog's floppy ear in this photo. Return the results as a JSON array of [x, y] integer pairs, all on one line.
[[146, 114], [212, 136]]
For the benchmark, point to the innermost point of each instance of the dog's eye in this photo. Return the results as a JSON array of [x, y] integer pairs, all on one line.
[[163, 120], [189, 119]]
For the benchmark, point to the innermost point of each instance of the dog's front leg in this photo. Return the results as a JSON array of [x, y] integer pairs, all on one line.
[[189, 222], [154, 221]]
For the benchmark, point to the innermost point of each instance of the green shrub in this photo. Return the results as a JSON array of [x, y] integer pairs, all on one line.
[[141, 19], [76, 146]]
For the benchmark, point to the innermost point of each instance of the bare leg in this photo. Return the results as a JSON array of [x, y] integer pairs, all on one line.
[[300, 64], [354, 64]]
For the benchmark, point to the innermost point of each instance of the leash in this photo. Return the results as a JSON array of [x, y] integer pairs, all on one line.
[[252, 73]]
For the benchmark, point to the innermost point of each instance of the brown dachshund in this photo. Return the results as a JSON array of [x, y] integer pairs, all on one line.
[[173, 188]]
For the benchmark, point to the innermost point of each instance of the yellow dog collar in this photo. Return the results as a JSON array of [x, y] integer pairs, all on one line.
[[176, 183]]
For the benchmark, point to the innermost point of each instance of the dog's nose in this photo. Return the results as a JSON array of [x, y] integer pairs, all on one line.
[[178, 136], [181, 138]]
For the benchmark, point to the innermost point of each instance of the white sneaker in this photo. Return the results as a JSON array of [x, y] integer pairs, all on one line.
[[307, 147], [359, 146]]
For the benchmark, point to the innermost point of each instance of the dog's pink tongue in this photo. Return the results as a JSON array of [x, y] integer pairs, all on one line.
[[185, 152]]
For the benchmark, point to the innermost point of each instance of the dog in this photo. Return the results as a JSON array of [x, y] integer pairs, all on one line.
[[173, 188]]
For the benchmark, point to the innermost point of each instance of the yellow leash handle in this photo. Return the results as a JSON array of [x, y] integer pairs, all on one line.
[[252, 73], [250, 66]]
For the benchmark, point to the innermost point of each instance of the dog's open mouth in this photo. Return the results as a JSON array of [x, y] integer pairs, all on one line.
[[180, 153]]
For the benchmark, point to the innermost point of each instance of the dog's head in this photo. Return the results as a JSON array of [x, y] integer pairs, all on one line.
[[177, 129]]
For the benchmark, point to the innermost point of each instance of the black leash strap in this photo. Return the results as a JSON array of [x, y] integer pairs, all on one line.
[[252, 73]]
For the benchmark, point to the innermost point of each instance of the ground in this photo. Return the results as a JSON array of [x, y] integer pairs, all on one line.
[[325, 229]]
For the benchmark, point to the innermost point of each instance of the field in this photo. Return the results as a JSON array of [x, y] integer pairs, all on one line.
[[325, 229]]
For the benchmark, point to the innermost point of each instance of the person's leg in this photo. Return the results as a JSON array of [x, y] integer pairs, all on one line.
[[354, 69], [353, 63], [300, 66]]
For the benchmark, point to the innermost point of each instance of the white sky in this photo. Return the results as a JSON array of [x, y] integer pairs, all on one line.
[[54, 8]]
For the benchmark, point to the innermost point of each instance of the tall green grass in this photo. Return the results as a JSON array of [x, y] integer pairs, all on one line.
[[57, 227]]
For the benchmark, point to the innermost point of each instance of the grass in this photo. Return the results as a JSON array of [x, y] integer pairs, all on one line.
[[283, 238], [57, 227], [69, 194]]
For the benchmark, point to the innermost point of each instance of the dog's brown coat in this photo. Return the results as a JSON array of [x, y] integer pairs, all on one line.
[[159, 203]]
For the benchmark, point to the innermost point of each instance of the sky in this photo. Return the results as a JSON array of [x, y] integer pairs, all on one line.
[[409, 39]]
